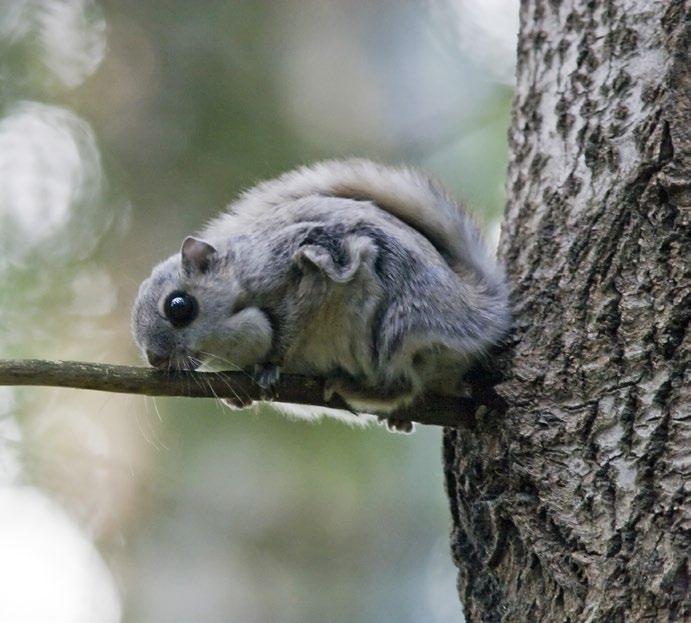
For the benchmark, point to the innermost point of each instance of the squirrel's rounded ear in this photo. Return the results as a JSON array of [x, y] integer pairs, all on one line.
[[197, 255]]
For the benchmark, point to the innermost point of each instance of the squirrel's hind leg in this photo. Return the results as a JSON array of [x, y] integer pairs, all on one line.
[[373, 400]]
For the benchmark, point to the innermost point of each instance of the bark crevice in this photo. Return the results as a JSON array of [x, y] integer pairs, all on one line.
[[573, 506]]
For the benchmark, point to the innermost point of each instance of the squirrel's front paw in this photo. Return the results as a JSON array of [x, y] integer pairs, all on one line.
[[266, 375]]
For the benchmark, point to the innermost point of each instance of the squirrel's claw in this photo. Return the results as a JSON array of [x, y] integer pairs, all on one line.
[[396, 425]]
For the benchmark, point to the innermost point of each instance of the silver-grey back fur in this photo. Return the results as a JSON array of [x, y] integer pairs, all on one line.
[[367, 275]]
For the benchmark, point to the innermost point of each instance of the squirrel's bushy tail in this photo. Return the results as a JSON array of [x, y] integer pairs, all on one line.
[[403, 192]]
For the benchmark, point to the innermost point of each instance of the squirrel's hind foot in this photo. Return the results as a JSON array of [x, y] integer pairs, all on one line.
[[371, 400], [396, 425]]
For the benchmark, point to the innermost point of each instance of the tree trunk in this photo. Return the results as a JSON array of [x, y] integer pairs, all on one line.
[[570, 500]]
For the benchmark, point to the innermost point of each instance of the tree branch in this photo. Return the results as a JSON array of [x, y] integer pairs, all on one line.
[[434, 410]]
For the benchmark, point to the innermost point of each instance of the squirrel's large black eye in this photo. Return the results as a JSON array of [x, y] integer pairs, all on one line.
[[180, 308]]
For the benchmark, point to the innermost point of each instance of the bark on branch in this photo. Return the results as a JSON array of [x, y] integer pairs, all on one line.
[[433, 410]]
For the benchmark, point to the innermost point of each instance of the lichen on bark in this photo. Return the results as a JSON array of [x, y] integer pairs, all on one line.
[[571, 503]]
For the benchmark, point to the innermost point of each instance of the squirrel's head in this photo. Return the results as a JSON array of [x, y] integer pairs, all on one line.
[[192, 310]]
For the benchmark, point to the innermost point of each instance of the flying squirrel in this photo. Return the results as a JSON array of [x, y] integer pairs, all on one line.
[[368, 276]]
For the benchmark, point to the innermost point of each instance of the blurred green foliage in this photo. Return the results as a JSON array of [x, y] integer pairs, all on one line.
[[125, 125]]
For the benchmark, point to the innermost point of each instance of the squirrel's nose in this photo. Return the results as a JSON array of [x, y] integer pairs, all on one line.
[[155, 359]]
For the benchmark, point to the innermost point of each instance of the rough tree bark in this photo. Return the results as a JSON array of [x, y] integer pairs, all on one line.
[[570, 502]]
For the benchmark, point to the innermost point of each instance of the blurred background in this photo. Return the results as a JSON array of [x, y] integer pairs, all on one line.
[[124, 126]]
